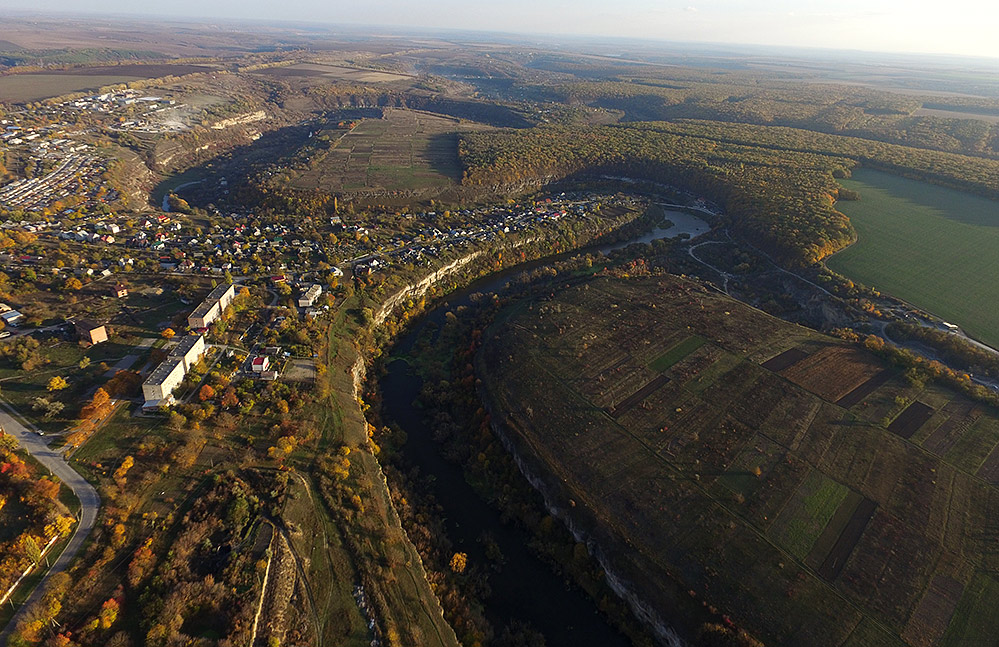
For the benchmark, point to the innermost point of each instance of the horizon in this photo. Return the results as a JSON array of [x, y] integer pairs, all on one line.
[[711, 27]]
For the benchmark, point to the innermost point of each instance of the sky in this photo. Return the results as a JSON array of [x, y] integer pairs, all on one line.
[[964, 27]]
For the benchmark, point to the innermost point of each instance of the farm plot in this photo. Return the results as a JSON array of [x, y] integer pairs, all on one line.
[[404, 150], [677, 353], [21, 88], [334, 73], [975, 621], [909, 421], [717, 470], [787, 359], [833, 372], [807, 513]]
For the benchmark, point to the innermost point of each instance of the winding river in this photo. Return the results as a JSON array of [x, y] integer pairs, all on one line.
[[523, 588]]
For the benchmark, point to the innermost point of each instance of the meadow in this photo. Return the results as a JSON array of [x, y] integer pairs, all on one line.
[[716, 451], [934, 247]]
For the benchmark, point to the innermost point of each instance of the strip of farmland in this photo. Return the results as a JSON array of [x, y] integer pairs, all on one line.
[[909, 421], [834, 562]]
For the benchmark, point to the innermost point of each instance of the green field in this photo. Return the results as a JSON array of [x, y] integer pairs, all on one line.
[[934, 247]]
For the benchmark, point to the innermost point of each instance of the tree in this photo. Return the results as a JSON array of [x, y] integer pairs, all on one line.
[[206, 393], [167, 333], [108, 614], [229, 398], [459, 561], [72, 284], [57, 383], [122, 471]]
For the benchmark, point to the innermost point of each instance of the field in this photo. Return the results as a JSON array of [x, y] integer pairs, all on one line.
[[954, 114], [934, 247], [405, 150], [21, 88], [334, 73], [793, 481]]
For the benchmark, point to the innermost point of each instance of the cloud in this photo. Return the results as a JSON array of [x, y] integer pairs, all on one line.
[[690, 9]]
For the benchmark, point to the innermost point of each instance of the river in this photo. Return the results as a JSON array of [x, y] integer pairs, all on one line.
[[524, 589]]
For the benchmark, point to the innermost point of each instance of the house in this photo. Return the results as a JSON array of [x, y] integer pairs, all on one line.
[[260, 364], [91, 332], [120, 291], [308, 298]]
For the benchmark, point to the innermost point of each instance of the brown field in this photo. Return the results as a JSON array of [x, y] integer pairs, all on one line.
[[405, 150], [956, 114], [910, 420], [787, 359], [21, 88], [833, 372], [335, 73], [776, 496]]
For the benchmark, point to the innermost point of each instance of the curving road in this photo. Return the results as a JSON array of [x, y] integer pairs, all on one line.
[[90, 501]]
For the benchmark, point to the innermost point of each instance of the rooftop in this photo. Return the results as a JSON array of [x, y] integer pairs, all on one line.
[[161, 372]]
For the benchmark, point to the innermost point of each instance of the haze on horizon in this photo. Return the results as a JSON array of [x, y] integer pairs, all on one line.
[[961, 27]]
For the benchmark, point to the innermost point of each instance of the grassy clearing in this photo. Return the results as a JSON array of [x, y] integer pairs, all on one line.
[[931, 246], [677, 353]]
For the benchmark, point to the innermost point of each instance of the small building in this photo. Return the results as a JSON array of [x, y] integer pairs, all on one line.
[[91, 332], [260, 364], [163, 380], [269, 376], [189, 349], [12, 318], [308, 298], [120, 291]]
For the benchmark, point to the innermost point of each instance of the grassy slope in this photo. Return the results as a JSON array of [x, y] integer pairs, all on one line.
[[934, 247]]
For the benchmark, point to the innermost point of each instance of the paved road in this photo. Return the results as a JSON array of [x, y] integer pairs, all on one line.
[[89, 501]]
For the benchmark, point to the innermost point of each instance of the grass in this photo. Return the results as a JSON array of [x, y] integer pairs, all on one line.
[[677, 353], [803, 520], [975, 621], [934, 247]]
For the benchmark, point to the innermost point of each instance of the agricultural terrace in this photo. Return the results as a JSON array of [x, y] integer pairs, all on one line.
[[21, 88], [405, 149], [792, 481], [934, 247]]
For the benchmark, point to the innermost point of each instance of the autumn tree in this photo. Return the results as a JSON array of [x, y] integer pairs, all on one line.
[[57, 383], [168, 333], [206, 393], [459, 561]]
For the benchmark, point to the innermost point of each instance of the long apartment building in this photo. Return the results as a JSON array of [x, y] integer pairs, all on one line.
[[170, 373], [212, 307]]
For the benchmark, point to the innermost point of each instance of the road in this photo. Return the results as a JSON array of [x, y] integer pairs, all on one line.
[[89, 502]]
